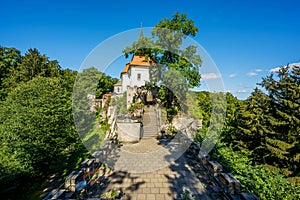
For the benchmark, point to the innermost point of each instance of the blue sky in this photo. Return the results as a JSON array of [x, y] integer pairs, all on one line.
[[245, 39]]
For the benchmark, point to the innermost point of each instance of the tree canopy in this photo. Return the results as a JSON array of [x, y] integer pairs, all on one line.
[[177, 66], [165, 47], [37, 129], [16, 68], [260, 139]]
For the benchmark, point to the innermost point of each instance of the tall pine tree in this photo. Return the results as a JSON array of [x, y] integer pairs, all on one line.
[[284, 117]]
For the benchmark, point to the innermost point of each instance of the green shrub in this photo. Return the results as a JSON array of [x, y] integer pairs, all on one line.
[[186, 195], [259, 179], [110, 194]]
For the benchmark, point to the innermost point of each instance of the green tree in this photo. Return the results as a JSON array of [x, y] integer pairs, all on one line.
[[284, 118], [89, 82], [265, 183], [10, 58], [229, 133], [33, 64], [252, 125], [268, 123], [172, 59], [170, 34], [144, 46], [68, 78], [105, 85], [36, 131]]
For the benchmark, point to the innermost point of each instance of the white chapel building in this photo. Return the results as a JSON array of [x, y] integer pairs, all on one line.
[[135, 74]]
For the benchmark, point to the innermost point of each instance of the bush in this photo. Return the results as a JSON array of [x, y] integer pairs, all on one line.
[[110, 194], [259, 179], [186, 195]]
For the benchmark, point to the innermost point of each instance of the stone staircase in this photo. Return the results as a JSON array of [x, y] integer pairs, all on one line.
[[149, 122]]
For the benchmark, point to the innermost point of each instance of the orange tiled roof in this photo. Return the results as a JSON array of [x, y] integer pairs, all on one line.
[[106, 95], [118, 84], [125, 70], [138, 61], [141, 61]]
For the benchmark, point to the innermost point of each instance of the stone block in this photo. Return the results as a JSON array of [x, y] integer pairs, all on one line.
[[129, 132], [248, 196], [214, 168], [230, 184], [203, 157]]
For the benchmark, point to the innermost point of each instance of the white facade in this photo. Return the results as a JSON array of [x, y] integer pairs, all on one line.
[[125, 81], [136, 73], [139, 75], [118, 89]]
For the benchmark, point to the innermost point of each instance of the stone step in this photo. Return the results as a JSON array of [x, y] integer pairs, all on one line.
[[150, 132], [150, 122], [150, 129], [149, 135]]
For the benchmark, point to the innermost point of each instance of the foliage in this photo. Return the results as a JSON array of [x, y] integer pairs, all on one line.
[[105, 85], [10, 58], [170, 34], [143, 46], [258, 179], [229, 134], [68, 78], [120, 103], [30, 65], [37, 133], [260, 138], [85, 118], [284, 118], [213, 121], [104, 125], [110, 194], [172, 59], [192, 105], [134, 106], [36, 129], [17, 69], [186, 195], [269, 124]]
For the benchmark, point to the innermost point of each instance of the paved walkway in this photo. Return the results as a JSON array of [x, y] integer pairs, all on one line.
[[140, 174]]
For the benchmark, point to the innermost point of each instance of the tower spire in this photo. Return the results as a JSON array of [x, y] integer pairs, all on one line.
[[141, 31]]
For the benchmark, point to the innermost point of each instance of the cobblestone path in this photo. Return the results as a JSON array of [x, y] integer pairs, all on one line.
[[140, 174]]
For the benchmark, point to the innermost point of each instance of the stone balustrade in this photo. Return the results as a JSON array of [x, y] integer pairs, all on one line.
[[230, 186]]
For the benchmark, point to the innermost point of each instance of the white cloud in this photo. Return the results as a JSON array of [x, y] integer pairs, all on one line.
[[242, 91], [294, 64], [232, 75], [258, 70], [276, 69], [210, 76], [252, 74]]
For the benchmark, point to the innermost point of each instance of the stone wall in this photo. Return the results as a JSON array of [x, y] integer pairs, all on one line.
[[223, 181], [129, 131], [184, 124], [187, 125]]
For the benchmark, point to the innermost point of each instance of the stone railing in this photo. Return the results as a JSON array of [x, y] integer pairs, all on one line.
[[224, 181], [79, 183], [158, 118], [78, 180]]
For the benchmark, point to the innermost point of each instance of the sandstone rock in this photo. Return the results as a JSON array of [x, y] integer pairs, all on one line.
[[187, 124], [181, 123]]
